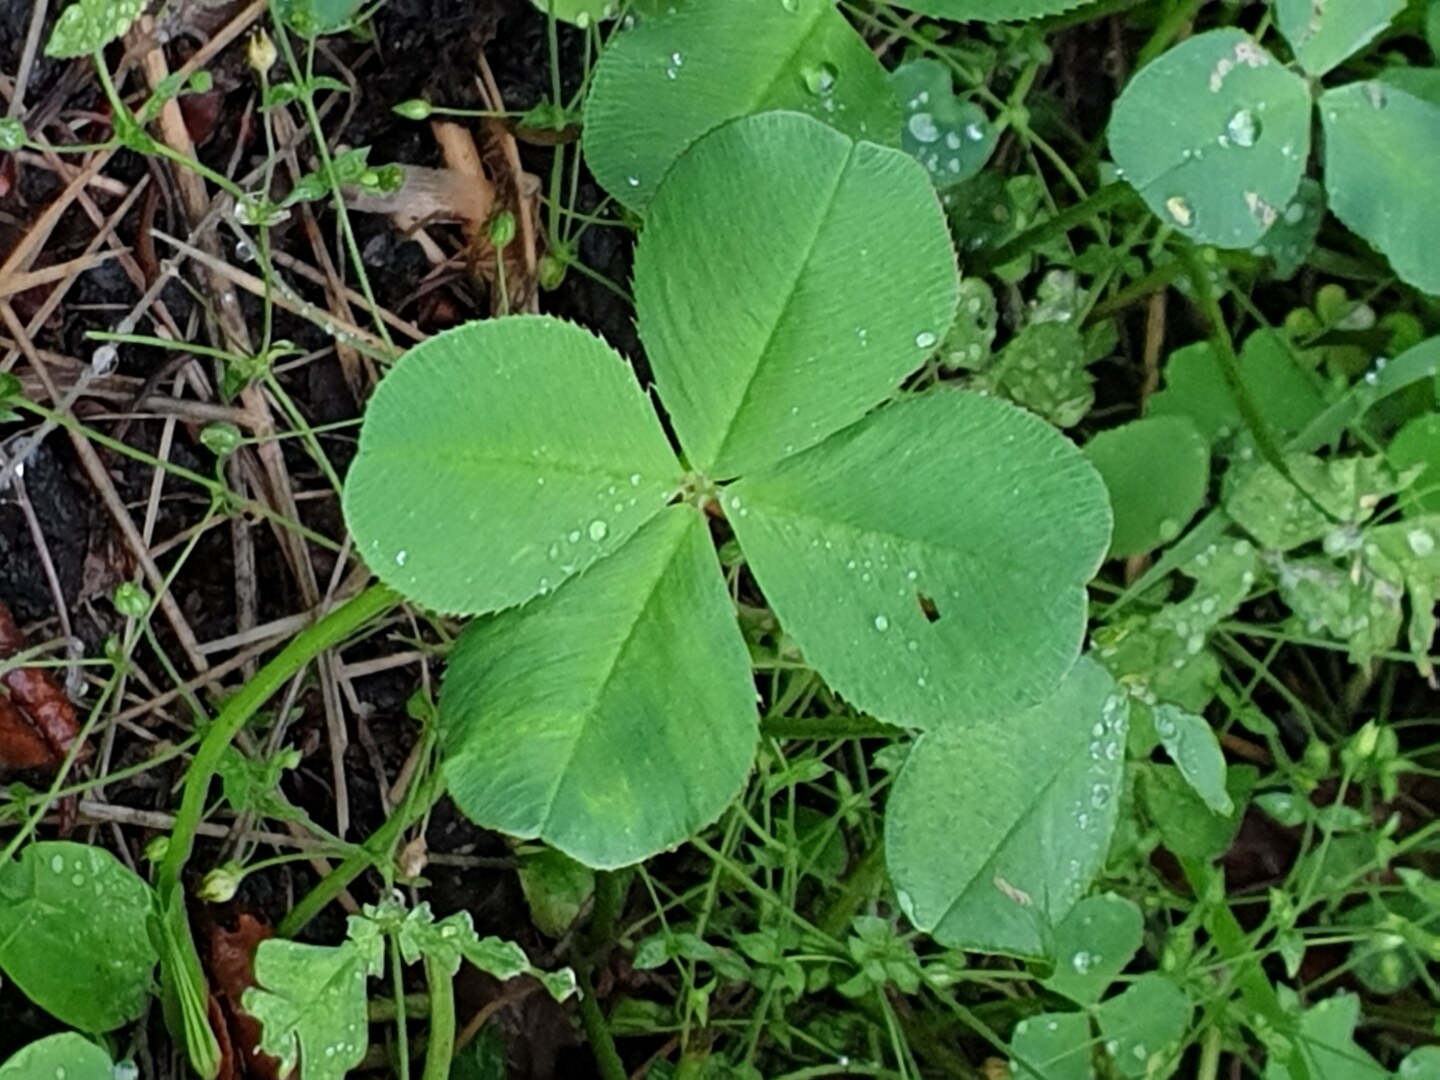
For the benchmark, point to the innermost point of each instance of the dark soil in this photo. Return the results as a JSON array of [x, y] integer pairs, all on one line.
[[422, 48]]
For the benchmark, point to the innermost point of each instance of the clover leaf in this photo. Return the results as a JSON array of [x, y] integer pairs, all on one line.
[[929, 556], [1223, 168], [664, 84]]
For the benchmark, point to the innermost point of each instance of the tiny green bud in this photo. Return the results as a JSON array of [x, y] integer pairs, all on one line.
[[201, 82], [157, 849], [222, 439], [552, 271], [415, 109], [1366, 740], [502, 230], [132, 601], [12, 134], [221, 884], [1316, 757]]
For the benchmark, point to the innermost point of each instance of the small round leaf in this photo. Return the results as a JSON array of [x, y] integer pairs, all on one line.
[[832, 279], [613, 719], [1157, 471], [1214, 135], [1093, 944], [498, 459], [667, 82], [65, 1057], [994, 831], [73, 934], [952, 138], [930, 561]]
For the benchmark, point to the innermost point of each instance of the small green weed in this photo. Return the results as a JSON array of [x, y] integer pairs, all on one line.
[[1003, 647]]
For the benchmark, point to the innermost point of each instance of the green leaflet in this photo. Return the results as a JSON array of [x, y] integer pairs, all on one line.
[[832, 280], [1143, 1027], [67, 1056], [1327, 1043], [1157, 470], [311, 18], [994, 831], [1052, 1046], [930, 612], [1224, 167], [1191, 743], [1093, 944], [952, 138], [73, 934], [500, 458], [311, 1002], [87, 26], [614, 718], [664, 84], [1286, 396], [1382, 145], [1324, 35]]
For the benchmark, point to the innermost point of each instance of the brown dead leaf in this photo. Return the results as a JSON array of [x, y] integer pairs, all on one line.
[[38, 725], [230, 963]]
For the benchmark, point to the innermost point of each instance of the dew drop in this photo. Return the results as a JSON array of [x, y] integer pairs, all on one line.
[[1180, 210], [820, 79], [633, 181], [57, 864], [597, 530], [923, 127], [401, 557], [791, 6], [882, 623], [1420, 541], [1243, 128], [925, 340]]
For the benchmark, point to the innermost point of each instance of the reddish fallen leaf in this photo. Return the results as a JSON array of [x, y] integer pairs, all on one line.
[[230, 962], [201, 112], [38, 725]]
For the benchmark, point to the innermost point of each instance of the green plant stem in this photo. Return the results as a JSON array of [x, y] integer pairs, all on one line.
[[1209, 1067], [1245, 972], [605, 913], [1229, 359], [325, 634], [602, 1043], [1107, 198], [402, 1030], [440, 1045]]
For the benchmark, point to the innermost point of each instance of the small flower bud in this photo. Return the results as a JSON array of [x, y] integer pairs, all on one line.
[[415, 109], [502, 230], [221, 884], [260, 52], [132, 601]]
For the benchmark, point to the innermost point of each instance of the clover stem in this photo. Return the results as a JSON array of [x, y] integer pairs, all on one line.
[[440, 1047], [334, 628]]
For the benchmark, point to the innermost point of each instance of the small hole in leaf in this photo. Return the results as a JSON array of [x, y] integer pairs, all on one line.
[[927, 607]]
